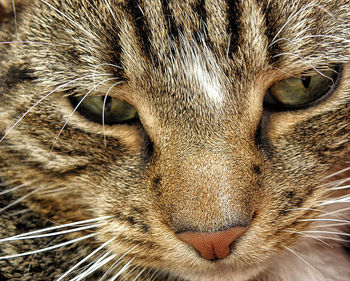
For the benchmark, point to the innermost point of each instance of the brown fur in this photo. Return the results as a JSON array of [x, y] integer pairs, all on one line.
[[193, 162]]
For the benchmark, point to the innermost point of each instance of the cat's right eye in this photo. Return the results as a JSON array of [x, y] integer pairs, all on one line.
[[107, 110], [296, 93]]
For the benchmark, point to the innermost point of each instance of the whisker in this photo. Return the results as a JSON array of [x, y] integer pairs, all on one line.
[[308, 236], [69, 19], [122, 270], [301, 258], [116, 263], [273, 41], [38, 102], [337, 173], [85, 259], [305, 61], [311, 36], [30, 42], [103, 111], [49, 248], [335, 212], [60, 226], [341, 199], [326, 232], [104, 64], [332, 225], [14, 188], [139, 275], [20, 199], [15, 16], [51, 234], [329, 220], [341, 187], [75, 109], [107, 257], [331, 238], [112, 14], [129, 272]]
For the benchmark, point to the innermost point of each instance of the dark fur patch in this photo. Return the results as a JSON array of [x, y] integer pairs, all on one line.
[[256, 169], [272, 14], [156, 184], [142, 29], [173, 29], [233, 17], [16, 74]]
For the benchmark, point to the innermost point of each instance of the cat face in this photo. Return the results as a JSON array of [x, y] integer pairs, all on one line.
[[172, 118]]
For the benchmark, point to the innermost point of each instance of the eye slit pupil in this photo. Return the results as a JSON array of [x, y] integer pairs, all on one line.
[[306, 80], [108, 105]]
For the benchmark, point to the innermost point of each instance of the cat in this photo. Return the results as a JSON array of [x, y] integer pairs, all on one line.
[[175, 140]]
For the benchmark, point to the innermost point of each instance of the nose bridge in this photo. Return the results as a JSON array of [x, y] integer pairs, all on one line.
[[204, 190]]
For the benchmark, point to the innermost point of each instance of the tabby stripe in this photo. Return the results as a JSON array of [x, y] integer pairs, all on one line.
[[173, 28], [234, 25], [217, 24], [142, 29], [154, 15], [271, 12], [184, 16]]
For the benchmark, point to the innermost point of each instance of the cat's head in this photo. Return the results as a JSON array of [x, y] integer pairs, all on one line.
[[220, 119]]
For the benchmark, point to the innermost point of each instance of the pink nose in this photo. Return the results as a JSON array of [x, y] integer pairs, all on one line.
[[214, 244]]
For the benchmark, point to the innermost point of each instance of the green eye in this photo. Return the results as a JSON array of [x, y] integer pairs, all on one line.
[[110, 111], [301, 92]]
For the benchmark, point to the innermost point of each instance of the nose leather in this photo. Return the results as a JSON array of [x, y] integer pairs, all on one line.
[[212, 245]]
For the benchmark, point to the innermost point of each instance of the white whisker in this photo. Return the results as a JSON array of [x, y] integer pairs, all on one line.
[[38, 102], [103, 111], [48, 248], [20, 199], [328, 220], [51, 234], [75, 109], [27, 42], [129, 272], [14, 188], [342, 199], [273, 41], [69, 19], [85, 259], [106, 258], [326, 232], [341, 187], [305, 61], [111, 268], [337, 173], [139, 275], [122, 270], [308, 236], [335, 212], [59, 227], [301, 258], [112, 14]]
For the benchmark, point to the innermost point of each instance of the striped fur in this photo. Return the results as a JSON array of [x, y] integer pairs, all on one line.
[[205, 154]]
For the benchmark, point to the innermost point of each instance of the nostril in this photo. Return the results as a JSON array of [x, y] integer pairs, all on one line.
[[214, 244]]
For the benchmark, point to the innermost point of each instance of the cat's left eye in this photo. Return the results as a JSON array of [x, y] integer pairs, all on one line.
[[105, 110], [295, 93]]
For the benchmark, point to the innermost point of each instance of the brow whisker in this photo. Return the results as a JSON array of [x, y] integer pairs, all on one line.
[[103, 111], [75, 109], [38, 102]]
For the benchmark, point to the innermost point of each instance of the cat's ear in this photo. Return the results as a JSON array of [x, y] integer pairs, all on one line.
[[6, 7]]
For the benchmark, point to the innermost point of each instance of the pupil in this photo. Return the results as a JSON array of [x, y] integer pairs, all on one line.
[[306, 81], [108, 105]]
